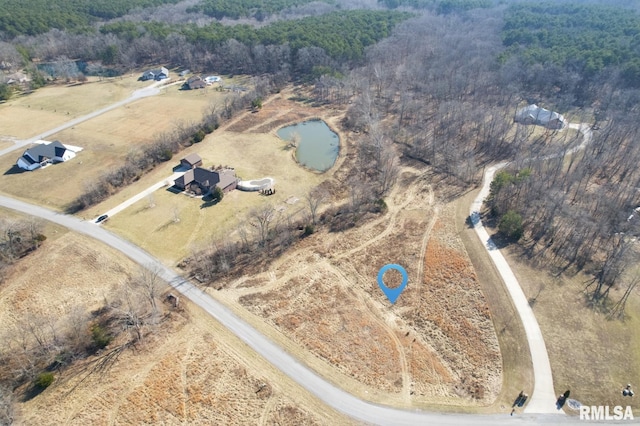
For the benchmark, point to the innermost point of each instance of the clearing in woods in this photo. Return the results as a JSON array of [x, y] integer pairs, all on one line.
[[192, 370], [436, 347]]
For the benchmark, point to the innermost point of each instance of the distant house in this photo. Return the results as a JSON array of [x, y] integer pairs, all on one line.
[[191, 161], [43, 154], [156, 74], [202, 181], [184, 73], [18, 78], [195, 82], [533, 114]]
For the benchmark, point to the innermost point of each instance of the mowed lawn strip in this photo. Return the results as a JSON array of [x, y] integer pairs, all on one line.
[[516, 359]]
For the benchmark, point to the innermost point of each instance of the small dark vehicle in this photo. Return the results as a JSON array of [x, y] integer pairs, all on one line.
[[102, 218]]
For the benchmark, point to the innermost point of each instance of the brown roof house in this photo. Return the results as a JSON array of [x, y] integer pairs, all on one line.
[[191, 161], [201, 181], [195, 82]]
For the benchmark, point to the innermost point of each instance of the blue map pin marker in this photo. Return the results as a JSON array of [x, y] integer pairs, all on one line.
[[392, 293]]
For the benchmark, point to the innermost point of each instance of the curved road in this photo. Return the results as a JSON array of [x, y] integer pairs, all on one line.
[[543, 398], [325, 391]]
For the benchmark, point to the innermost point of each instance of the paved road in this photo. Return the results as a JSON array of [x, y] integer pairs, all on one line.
[[138, 94], [543, 398], [325, 391]]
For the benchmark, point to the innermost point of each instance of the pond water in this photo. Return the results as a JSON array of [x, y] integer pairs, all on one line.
[[318, 146]]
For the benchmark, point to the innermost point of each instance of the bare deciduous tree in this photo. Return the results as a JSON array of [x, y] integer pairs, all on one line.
[[260, 219], [316, 197]]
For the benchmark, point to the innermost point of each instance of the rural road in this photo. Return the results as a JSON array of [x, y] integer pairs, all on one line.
[[543, 399], [305, 377], [151, 90]]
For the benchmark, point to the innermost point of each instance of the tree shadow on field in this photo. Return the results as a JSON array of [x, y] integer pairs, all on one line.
[[208, 201], [31, 392], [15, 170]]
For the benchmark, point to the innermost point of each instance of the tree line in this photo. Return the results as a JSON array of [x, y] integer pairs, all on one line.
[[31, 17]]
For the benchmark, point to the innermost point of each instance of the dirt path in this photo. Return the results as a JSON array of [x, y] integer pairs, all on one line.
[[377, 316]]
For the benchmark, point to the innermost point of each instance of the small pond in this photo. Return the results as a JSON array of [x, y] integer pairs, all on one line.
[[318, 146]]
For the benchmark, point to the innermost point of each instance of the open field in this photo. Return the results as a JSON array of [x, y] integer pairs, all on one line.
[[48, 107], [192, 370], [435, 348], [253, 155], [106, 140], [590, 355]]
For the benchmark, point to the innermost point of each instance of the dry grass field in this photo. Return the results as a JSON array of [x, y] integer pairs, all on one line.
[[26, 116], [591, 355], [192, 371], [436, 347], [409, 354]]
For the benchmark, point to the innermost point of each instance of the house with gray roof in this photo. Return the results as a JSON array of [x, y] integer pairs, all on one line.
[[190, 161], [202, 181], [533, 114], [44, 154], [155, 74]]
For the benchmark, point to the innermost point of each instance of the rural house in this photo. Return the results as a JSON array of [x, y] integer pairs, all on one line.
[[201, 181], [191, 161], [43, 154], [533, 114], [195, 82], [156, 74]]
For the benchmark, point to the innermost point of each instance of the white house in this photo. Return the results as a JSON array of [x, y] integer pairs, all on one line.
[[533, 114], [43, 154], [156, 74]]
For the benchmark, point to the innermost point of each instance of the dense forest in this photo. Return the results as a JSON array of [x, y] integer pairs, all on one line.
[[235, 9], [581, 38], [341, 35], [30, 17]]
